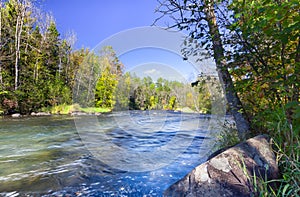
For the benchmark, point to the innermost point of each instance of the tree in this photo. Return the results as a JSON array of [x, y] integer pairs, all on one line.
[[32, 59], [51, 49], [122, 92], [105, 89], [199, 18], [21, 10], [97, 78], [266, 63], [111, 71]]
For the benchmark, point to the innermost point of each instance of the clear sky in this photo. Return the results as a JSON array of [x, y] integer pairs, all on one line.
[[95, 20]]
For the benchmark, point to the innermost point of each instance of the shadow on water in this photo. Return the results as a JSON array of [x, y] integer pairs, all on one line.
[[45, 156]]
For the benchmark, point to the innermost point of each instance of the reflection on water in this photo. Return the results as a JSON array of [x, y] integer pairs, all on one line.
[[45, 155]]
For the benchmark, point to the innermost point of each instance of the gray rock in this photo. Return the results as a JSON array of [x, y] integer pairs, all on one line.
[[16, 115], [230, 173], [78, 113], [40, 114], [43, 114]]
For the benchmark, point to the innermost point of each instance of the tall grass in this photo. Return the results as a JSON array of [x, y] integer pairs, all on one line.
[[286, 140]]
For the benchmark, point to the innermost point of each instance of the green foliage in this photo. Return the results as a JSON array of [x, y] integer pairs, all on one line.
[[167, 95], [172, 103], [41, 71], [97, 78], [65, 109], [95, 110], [32, 60], [266, 70], [122, 93], [266, 62], [260, 47], [110, 73], [228, 136], [105, 89], [60, 109], [286, 141]]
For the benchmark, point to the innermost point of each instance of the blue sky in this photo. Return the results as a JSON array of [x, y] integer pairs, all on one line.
[[95, 20]]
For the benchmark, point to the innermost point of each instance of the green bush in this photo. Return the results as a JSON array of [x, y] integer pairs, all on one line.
[[283, 125]]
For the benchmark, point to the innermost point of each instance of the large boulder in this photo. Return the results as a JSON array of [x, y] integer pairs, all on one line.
[[230, 173]]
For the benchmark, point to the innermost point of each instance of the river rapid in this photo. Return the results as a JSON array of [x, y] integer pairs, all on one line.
[[133, 153]]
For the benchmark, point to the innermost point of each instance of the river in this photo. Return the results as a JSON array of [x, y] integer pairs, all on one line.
[[133, 153]]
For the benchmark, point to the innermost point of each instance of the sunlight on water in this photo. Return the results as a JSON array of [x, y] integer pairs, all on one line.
[[46, 156]]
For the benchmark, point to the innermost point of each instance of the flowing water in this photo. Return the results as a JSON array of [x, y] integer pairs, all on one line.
[[53, 156]]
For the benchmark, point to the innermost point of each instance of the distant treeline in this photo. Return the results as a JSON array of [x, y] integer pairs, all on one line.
[[101, 82], [162, 94]]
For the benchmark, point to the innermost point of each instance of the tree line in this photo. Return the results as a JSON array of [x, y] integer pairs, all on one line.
[[162, 94], [36, 65], [39, 68], [101, 82]]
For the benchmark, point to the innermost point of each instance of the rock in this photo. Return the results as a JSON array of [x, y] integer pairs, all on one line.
[[230, 173], [43, 114], [40, 114], [78, 113], [16, 115]]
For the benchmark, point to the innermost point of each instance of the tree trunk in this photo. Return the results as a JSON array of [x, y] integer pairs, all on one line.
[[17, 48], [235, 104], [18, 34]]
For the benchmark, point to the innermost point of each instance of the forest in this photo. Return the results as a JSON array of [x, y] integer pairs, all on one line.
[[36, 66], [38, 69]]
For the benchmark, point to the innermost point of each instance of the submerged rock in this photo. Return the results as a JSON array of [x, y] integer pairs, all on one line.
[[230, 173]]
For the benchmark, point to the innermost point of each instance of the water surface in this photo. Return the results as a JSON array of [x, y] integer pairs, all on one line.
[[50, 156]]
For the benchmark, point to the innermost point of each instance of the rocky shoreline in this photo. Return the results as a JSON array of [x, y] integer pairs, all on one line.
[[233, 172], [36, 114]]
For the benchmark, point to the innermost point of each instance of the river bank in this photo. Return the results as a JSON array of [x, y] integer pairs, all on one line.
[[63, 109], [77, 110]]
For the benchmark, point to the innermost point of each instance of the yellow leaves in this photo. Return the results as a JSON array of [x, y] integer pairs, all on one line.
[[264, 86]]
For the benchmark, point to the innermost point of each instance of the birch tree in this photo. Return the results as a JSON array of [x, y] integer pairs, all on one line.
[[22, 8]]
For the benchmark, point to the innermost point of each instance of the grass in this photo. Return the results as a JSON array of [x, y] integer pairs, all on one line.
[[289, 165], [286, 142], [68, 109], [95, 110], [288, 156], [227, 137]]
